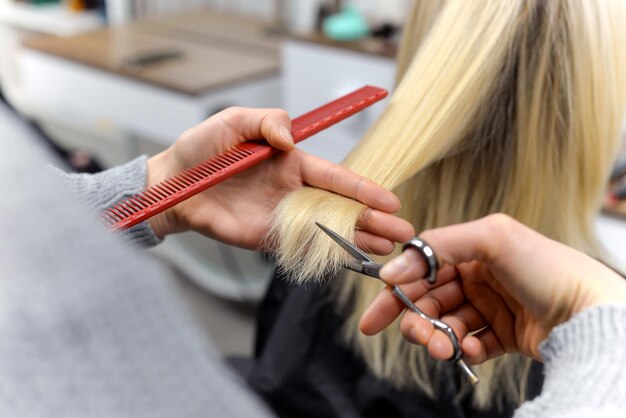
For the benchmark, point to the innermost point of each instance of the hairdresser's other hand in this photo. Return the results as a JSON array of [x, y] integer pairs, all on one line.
[[499, 278], [238, 210]]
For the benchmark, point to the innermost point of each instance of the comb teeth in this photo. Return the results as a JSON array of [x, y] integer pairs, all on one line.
[[200, 177], [168, 188]]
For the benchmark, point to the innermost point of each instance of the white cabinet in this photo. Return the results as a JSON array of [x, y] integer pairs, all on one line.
[[78, 94], [313, 74], [612, 233]]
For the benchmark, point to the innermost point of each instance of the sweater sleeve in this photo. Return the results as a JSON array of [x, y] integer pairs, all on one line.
[[585, 367], [102, 190], [90, 326]]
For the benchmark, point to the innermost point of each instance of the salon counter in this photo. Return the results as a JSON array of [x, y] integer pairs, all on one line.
[[212, 61]]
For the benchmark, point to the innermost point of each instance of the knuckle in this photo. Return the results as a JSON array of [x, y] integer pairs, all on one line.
[[499, 221], [279, 113], [357, 188], [265, 119], [331, 176], [233, 110], [501, 228], [500, 224], [228, 112], [427, 234], [434, 302], [406, 326], [365, 218], [462, 323], [231, 114], [186, 135]]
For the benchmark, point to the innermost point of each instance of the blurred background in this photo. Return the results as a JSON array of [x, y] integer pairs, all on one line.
[[107, 80]]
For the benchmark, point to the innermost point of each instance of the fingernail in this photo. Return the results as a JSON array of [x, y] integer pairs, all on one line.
[[286, 135], [395, 267]]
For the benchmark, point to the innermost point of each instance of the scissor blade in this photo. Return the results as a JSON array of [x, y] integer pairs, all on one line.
[[367, 268], [346, 245]]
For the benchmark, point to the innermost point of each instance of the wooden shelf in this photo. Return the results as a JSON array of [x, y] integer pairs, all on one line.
[[208, 59]]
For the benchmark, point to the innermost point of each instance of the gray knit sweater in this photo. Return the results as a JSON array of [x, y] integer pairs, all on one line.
[[90, 326]]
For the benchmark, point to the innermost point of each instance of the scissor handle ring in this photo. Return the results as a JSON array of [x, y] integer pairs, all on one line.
[[428, 254]]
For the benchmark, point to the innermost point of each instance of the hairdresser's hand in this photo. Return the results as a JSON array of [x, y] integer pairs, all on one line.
[[499, 277], [238, 210]]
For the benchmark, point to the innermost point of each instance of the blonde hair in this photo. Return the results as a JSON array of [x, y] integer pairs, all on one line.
[[506, 106]]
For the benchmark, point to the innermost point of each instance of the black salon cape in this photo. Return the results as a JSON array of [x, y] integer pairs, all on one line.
[[302, 370]]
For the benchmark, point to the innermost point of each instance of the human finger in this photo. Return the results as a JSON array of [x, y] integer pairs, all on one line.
[[482, 346], [434, 304], [503, 244], [486, 309], [325, 175], [385, 308], [405, 268], [273, 125], [462, 320], [385, 225], [455, 244], [494, 309], [373, 243]]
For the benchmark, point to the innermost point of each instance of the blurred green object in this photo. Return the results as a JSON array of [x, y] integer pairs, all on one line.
[[38, 2], [349, 25]]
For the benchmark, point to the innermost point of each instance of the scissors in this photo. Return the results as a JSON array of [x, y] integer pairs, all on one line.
[[363, 264]]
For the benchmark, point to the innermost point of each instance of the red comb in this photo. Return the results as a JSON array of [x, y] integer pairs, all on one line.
[[200, 177]]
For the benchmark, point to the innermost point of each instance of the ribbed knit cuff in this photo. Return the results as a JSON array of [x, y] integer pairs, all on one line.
[[102, 190], [585, 365]]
